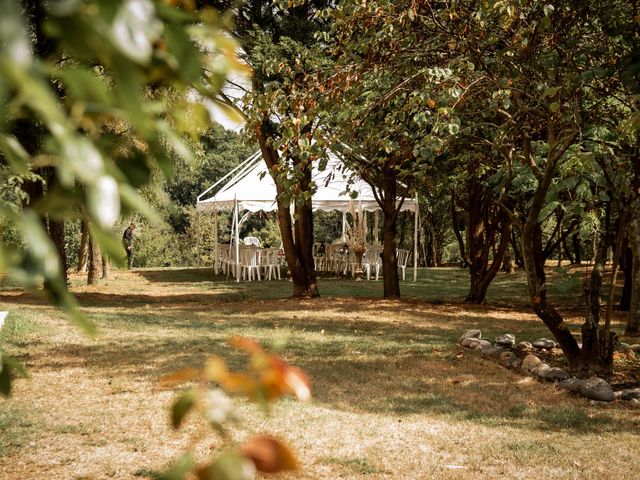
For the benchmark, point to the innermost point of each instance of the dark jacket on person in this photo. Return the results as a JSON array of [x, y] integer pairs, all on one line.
[[127, 236]]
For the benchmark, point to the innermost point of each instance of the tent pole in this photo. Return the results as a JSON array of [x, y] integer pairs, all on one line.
[[415, 239], [230, 249], [198, 238], [237, 239], [344, 227], [215, 241], [365, 227]]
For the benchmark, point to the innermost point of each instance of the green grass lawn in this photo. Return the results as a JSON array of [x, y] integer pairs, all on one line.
[[394, 397]]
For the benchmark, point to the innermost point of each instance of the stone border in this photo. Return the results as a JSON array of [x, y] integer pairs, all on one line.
[[522, 357]]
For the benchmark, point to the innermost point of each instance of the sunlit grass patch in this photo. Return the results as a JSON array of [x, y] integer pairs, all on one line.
[[527, 451], [358, 465], [16, 428]]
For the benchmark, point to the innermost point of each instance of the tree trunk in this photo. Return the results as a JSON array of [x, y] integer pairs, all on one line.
[[507, 263], [56, 228], [517, 254], [484, 221], [633, 321], [597, 344], [597, 351], [533, 256], [456, 230], [568, 253], [390, 282], [577, 249], [93, 259], [84, 245], [626, 264], [560, 242], [105, 267], [297, 237], [56, 233], [431, 246]]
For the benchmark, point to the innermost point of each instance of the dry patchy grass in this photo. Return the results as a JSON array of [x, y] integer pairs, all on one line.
[[394, 397]]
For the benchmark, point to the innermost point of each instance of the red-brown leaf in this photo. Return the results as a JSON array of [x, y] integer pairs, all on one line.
[[270, 455]]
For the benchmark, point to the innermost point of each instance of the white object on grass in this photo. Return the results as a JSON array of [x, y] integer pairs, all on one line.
[[3, 316]]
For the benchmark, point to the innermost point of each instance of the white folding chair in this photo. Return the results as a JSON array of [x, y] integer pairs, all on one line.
[[255, 241], [403, 256], [249, 263], [372, 260], [270, 263]]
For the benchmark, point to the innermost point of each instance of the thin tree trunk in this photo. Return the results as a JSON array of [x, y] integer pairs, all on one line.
[[105, 267], [84, 246], [390, 282], [507, 263], [56, 233], [94, 262], [517, 254], [560, 242], [633, 321], [430, 246], [532, 252], [577, 249], [484, 222], [568, 253], [456, 231], [626, 264], [597, 344]]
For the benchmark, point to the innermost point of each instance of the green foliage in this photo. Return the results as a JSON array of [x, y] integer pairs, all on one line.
[[181, 407], [268, 233], [216, 153]]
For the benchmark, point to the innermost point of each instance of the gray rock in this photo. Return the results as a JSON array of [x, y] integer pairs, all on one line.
[[467, 342], [541, 370], [524, 346], [471, 342], [516, 364], [507, 357], [506, 340], [530, 362], [596, 388], [480, 344], [635, 347], [623, 347], [470, 334], [572, 384], [630, 394], [556, 375], [544, 343], [490, 351]]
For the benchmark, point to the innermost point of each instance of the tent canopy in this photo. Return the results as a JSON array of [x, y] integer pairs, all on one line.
[[251, 185]]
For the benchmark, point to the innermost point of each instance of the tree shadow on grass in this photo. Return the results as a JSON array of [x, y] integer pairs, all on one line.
[[372, 366]]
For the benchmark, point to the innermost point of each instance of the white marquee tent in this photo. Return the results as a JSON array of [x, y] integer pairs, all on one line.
[[250, 187]]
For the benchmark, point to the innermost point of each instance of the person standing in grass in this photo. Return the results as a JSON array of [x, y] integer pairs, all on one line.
[[127, 243]]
